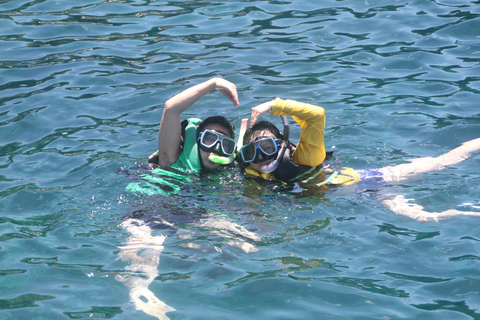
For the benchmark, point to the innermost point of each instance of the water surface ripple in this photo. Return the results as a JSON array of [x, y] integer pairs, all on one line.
[[82, 88]]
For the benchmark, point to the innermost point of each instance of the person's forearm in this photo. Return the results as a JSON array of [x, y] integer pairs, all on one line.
[[303, 111], [185, 99]]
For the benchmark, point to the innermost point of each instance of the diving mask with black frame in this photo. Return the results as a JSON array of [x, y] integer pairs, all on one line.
[[268, 149], [222, 146], [262, 149]]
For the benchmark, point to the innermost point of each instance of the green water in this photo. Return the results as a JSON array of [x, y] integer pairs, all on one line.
[[82, 88]]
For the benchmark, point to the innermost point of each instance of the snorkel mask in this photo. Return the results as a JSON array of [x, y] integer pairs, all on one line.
[[267, 148], [222, 146]]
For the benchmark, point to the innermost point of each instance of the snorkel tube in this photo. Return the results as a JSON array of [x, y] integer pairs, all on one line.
[[215, 158], [241, 135], [272, 166], [286, 128]]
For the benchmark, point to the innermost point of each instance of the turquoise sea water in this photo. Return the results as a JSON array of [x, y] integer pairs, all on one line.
[[82, 88]]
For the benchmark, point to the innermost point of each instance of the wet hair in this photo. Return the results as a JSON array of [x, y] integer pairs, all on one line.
[[255, 131], [217, 120]]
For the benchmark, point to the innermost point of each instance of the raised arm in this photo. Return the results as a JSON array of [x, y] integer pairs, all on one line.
[[259, 110], [169, 133]]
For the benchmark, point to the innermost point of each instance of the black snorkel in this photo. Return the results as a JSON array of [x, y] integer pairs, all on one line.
[[272, 166]]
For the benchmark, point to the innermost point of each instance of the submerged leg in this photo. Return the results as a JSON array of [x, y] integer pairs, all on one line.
[[422, 165], [142, 251], [400, 205]]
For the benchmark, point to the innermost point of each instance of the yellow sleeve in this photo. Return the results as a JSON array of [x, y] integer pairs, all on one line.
[[310, 150]]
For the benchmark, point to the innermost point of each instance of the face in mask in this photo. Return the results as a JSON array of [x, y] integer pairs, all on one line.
[[219, 148], [262, 154]]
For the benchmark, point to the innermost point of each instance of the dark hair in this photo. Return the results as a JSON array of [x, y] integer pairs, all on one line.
[[251, 133], [218, 120]]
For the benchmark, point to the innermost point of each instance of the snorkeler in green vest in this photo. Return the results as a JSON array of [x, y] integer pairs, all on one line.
[[185, 149], [191, 146], [268, 155]]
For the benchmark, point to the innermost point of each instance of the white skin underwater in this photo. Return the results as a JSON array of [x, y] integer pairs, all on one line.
[[142, 249]]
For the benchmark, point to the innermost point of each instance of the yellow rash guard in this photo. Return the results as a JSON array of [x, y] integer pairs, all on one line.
[[310, 151]]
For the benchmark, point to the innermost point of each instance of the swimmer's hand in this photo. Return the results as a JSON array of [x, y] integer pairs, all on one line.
[[259, 111], [228, 89]]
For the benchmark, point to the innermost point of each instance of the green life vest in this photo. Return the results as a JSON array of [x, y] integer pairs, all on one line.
[[158, 182], [189, 159], [166, 182]]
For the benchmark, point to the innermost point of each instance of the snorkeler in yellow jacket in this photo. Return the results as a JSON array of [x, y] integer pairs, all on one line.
[[271, 156]]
